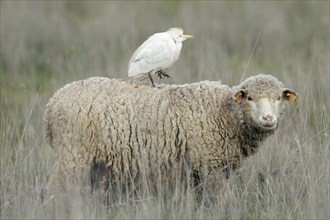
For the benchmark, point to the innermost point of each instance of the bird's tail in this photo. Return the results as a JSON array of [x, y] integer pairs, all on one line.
[[132, 77], [134, 71]]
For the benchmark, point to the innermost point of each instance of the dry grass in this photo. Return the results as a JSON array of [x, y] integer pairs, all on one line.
[[45, 45]]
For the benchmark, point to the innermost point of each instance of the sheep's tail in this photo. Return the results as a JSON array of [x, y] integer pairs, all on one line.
[[48, 135]]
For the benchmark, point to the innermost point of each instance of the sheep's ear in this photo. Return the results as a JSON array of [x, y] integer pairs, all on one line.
[[239, 95], [290, 95]]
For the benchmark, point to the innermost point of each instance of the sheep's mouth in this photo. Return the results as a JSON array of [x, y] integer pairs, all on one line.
[[267, 126]]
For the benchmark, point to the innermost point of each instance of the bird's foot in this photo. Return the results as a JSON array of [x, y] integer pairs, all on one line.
[[162, 74]]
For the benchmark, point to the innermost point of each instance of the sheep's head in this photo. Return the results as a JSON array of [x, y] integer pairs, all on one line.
[[262, 99]]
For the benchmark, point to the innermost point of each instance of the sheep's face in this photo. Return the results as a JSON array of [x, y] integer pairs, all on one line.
[[262, 100]]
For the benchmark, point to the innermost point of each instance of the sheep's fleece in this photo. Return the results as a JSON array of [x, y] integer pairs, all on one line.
[[128, 128]]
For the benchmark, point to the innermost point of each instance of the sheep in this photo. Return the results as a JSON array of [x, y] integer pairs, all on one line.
[[105, 130]]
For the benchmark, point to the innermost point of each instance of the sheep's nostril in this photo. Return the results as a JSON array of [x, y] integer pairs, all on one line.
[[268, 118], [268, 121]]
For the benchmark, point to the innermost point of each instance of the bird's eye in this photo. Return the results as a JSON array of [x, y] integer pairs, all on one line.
[[249, 98]]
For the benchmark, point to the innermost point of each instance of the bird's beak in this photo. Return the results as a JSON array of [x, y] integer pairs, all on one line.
[[186, 36]]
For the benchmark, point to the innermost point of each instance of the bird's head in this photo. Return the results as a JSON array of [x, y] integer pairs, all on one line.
[[177, 34]]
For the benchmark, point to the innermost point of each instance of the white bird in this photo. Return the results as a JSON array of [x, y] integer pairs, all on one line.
[[157, 53]]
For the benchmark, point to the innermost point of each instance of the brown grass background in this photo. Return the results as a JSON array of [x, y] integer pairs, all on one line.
[[46, 44]]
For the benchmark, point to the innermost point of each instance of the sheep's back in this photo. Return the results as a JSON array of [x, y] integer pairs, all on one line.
[[131, 125], [109, 120]]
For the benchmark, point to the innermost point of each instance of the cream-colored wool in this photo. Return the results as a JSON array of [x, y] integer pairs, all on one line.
[[129, 130]]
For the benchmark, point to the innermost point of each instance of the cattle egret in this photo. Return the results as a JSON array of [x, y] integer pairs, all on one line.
[[157, 53]]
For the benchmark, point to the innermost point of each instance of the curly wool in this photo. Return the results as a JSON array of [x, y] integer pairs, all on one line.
[[135, 129]]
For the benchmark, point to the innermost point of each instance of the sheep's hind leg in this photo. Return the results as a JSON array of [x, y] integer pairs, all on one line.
[[99, 179], [65, 179], [66, 190]]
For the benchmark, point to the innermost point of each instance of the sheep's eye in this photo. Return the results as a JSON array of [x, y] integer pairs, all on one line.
[[279, 98], [249, 98]]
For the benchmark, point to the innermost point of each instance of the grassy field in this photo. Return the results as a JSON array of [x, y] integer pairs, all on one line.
[[46, 44]]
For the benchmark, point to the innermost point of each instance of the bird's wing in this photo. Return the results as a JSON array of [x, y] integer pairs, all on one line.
[[155, 53]]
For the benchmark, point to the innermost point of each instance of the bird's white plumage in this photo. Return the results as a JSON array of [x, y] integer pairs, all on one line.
[[158, 52]]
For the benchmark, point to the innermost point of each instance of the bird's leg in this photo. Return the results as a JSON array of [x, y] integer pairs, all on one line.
[[159, 73], [162, 74], [152, 81]]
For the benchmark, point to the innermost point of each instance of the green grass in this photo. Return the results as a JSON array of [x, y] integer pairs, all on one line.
[[45, 45]]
